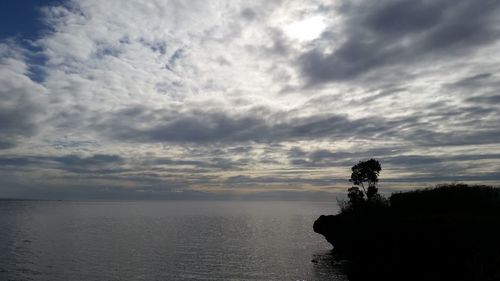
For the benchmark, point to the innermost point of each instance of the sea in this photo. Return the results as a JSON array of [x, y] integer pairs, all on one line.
[[164, 240]]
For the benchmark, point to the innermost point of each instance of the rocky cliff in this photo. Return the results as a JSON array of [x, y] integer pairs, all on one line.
[[446, 233]]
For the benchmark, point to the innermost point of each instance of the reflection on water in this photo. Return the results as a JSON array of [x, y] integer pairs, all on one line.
[[164, 241], [327, 266]]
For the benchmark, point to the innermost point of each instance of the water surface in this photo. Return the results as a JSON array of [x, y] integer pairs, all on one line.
[[168, 240]]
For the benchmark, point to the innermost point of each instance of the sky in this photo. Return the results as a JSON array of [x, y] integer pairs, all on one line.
[[245, 99]]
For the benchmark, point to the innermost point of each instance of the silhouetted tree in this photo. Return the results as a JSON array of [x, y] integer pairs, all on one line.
[[366, 172], [355, 195]]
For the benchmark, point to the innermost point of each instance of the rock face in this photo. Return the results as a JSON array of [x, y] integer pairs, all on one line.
[[326, 225], [437, 234]]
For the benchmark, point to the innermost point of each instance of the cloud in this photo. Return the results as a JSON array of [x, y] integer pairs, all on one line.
[[397, 33], [160, 98], [98, 163], [20, 98], [248, 14], [472, 81], [283, 181], [485, 100], [138, 124]]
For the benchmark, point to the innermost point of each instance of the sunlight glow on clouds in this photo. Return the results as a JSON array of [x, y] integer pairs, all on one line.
[[184, 97], [306, 29]]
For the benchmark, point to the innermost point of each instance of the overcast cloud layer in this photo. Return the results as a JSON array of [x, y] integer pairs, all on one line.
[[192, 99]]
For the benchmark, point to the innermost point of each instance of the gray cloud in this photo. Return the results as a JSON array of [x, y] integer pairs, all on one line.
[[431, 168], [290, 182], [198, 126], [388, 33], [490, 100], [17, 117], [327, 158], [98, 163], [20, 103], [455, 138], [264, 126], [248, 14], [211, 164], [440, 178], [472, 81]]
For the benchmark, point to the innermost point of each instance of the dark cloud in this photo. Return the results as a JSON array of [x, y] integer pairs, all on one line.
[[481, 90], [18, 112], [296, 152], [97, 159], [262, 126], [210, 127], [290, 181], [417, 160], [115, 167], [385, 92], [155, 46], [436, 178], [248, 14], [431, 168], [388, 33], [327, 158], [66, 144], [176, 56], [490, 100], [280, 46], [472, 81], [100, 188], [17, 161], [426, 137], [100, 163], [212, 163]]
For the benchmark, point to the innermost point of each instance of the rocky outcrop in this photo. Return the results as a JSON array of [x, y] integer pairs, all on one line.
[[424, 235]]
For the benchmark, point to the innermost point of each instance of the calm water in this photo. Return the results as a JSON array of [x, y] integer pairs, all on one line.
[[163, 241]]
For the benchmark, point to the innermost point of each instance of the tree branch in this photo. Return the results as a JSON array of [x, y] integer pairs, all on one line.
[[364, 190]]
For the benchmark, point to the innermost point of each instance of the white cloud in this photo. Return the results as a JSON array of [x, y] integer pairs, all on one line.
[[112, 68]]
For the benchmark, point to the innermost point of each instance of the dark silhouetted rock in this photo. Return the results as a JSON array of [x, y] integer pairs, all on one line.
[[445, 233]]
